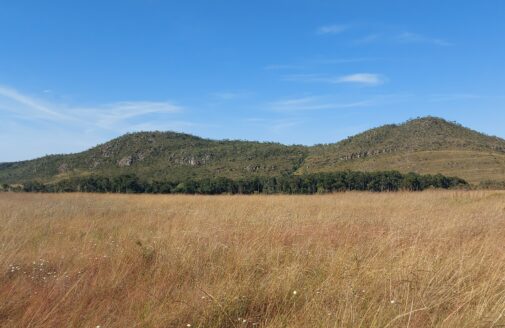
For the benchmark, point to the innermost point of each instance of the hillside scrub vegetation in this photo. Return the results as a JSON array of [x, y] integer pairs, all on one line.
[[426, 145], [429, 259]]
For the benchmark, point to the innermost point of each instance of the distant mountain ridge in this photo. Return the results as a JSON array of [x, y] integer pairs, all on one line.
[[426, 145]]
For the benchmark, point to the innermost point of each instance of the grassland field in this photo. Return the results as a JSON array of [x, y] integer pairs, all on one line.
[[430, 259]]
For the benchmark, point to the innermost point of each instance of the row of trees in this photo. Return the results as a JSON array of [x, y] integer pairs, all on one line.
[[304, 184]]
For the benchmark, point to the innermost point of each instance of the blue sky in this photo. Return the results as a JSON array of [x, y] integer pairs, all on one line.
[[77, 73]]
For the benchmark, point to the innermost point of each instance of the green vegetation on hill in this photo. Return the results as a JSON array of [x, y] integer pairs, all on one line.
[[163, 155], [426, 145]]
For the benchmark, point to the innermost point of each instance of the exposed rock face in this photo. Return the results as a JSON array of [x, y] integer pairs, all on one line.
[[366, 154], [132, 159], [107, 150], [125, 161], [193, 160]]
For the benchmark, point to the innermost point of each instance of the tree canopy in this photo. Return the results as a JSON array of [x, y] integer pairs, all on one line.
[[288, 184]]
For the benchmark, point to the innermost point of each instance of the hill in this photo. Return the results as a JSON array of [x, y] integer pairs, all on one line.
[[426, 145], [162, 155]]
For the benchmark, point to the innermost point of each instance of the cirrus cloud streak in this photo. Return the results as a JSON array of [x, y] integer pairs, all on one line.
[[368, 79]]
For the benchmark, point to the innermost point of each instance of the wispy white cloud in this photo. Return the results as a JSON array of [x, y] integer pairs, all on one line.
[[362, 78], [332, 29], [368, 79], [317, 61], [34, 126], [112, 115], [34, 106], [335, 102], [408, 37], [370, 38], [313, 103], [109, 116], [401, 38]]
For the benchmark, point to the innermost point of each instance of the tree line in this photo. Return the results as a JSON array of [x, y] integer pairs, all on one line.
[[289, 184]]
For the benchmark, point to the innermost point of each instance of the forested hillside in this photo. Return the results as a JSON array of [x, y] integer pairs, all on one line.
[[426, 145], [163, 155]]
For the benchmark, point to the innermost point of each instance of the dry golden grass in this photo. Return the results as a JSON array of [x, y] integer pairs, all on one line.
[[432, 259], [473, 166]]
